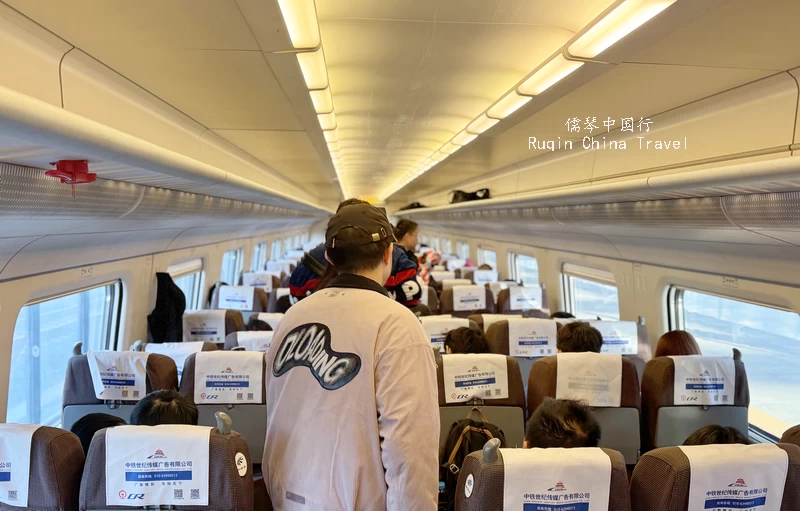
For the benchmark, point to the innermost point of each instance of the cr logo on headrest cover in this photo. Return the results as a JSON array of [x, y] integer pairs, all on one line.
[[309, 346]]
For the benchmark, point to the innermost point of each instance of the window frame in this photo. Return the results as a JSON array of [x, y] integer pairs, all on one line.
[[111, 319], [482, 258], [676, 321], [259, 254], [513, 266], [238, 265], [571, 271], [447, 246], [194, 267], [461, 253]]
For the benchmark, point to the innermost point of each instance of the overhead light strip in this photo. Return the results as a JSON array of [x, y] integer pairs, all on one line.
[[604, 33], [300, 17]]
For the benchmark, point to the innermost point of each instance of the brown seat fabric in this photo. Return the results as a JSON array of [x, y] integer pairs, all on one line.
[[791, 436], [433, 300], [497, 336], [55, 474], [543, 378], [273, 302], [446, 305], [187, 379], [504, 304], [660, 481], [516, 391], [228, 490], [260, 300], [78, 388], [658, 384], [487, 493]]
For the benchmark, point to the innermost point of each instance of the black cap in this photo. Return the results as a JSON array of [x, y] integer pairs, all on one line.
[[358, 224]]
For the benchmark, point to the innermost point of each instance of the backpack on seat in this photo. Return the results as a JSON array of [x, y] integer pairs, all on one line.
[[465, 436]]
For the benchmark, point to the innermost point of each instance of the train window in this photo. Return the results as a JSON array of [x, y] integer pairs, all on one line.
[[297, 242], [231, 266], [489, 257], [287, 244], [447, 246], [259, 257], [463, 249], [275, 254], [423, 240], [189, 277], [435, 243], [526, 269], [768, 339], [590, 293], [44, 336]]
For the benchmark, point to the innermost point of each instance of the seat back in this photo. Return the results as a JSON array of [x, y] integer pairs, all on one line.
[[250, 341], [430, 298], [483, 277], [240, 298], [275, 296], [496, 287], [266, 280], [661, 479], [485, 321], [230, 471], [455, 264], [437, 327], [620, 426], [640, 354], [507, 413], [481, 482], [80, 398], [250, 419], [668, 423], [447, 305], [439, 276], [524, 301], [177, 351], [448, 283], [791, 436], [211, 325], [53, 468]]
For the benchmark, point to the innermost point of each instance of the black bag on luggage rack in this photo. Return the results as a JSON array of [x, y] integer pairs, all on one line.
[[465, 436], [462, 196]]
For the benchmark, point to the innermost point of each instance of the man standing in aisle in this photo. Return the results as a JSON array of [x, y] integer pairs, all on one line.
[[352, 411]]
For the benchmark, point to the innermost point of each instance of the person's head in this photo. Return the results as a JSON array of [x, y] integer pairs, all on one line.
[[257, 325], [405, 232], [677, 343], [349, 202], [562, 423], [465, 340], [708, 435], [358, 240], [85, 427], [561, 315], [164, 407], [421, 310], [579, 337], [485, 267]]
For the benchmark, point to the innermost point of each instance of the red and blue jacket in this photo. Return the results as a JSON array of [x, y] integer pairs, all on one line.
[[402, 284]]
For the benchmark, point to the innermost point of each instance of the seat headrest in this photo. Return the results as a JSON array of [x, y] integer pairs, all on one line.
[[54, 475], [482, 480], [447, 301], [498, 335], [791, 436], [178, 351], [436, 327], [662, 477], [259, 340], [266, 280], [211, 325], [483, 277], [516, 390], [240, 298], [161, 373], [230, 491], [448, 283], [187, 387], [543, 382], [658, 389], [520, 299]]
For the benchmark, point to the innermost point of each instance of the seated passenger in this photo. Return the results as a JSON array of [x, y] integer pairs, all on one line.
[[164, 407], [257, 325], [708, 435], [562, 423], [85, 427], [561, 315], [579, 337], [677, 343], [465, 340], [314, 273]]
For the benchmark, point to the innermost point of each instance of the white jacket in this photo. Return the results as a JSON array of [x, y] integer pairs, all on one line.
[[352, 410]]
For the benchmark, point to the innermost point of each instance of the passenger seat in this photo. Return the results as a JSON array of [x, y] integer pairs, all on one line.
[[232, 320], [447, 305], [79, 395], [482, 480], [505, 306], [260, 299], [56, 464]]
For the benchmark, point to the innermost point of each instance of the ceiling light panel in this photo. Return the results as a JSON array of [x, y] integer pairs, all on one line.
[[510, 103], [481, 124], [464, 138], [548, 75], [327, 121], [300, 17], [312, 64], [323, 102], [624, 19]]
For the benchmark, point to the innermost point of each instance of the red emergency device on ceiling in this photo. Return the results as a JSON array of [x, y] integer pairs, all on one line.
[[72, 172]]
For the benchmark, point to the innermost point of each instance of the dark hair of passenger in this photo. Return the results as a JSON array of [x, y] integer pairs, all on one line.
[[164, 407], [561, 315], [677, 343], [421, 310], [710, 435], [465, 340], [257, 325], [403, 227], [579, 337], [326, 279], [85, 427], [350, 202], [562, 423], [359, 258], [485, 267]]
